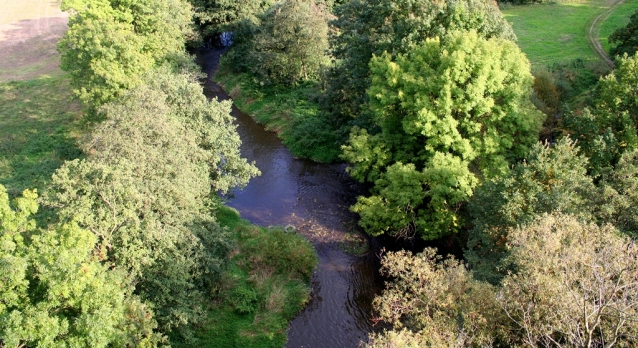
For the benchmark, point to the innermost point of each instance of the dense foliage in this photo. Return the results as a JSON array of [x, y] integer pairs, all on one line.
[[290, 44], [610, 128], [372, 27], [144, 188], [262, 289], [111, 44], [575, 285], [448, 112], [550, 179], [625, 40], [216, 16], [54, 290]]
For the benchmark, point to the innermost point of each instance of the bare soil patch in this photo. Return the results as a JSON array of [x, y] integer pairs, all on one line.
[[29, 31]]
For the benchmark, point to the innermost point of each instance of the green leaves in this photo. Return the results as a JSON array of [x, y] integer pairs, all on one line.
[[449, 111], [144, 190], [368, 28], [625, 40], [55, 292], [291, 43], [110, 45], [570, 282]]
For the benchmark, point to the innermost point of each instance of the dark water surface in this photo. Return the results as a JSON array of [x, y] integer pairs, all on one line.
[[315, 198]]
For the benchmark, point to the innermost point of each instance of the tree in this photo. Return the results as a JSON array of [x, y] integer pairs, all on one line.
[[216, 16], [432, 302], [291, 42], [111, 45], [617, 200], [365, 28], [144, 191], [625, 40], [551, 179], [611, 127], [574, 284], [55, 292], [448, 112]]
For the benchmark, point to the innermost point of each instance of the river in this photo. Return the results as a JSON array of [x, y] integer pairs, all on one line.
[[315, 198]]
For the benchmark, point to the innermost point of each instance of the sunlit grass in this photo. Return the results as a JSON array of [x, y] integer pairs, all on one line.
[[557, 32], [618, 19]]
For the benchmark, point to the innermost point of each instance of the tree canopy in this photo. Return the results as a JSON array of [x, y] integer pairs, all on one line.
[[364, 28], [144, 190], [216, 16], [609, 128], [625, 40], [448, 112], [291, 43], [110, 45], [574, 285], [55, 291]]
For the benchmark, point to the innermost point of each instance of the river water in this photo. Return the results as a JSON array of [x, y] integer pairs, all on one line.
[[315, 198]]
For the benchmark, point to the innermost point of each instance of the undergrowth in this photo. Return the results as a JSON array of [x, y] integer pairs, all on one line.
[[289, 111], [264, 286]]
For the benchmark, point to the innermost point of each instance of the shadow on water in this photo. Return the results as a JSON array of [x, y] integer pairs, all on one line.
[[315, 198]]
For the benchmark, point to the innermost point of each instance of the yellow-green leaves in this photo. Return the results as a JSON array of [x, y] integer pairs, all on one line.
[[111, 44], [54, 292], [451, 110]]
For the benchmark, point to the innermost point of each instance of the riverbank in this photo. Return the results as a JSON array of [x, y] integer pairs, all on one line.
[[264, 286], [289, 111], [315, 198]]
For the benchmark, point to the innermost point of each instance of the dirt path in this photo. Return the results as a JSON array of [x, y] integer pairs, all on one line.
[[29, 31], [593, 33]]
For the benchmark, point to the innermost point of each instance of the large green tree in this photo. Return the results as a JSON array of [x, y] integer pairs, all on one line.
[[551, 179], [364, 28], [448, 112], [290, 45], [216, 16], [54, 291], [111, 44], [144, 190]]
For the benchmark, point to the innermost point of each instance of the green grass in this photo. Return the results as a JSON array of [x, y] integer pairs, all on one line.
[[289, 111], [618, 19], [556, 32], [265, 285], [39, 125]]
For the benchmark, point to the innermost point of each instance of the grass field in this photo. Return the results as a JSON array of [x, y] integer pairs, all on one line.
[[557, 32], [38, 129], [39, 121], [617, 19]]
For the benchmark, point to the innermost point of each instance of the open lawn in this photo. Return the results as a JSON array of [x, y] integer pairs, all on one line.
[[39, 121], [29, 30], [558, 32], [38, 129]]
